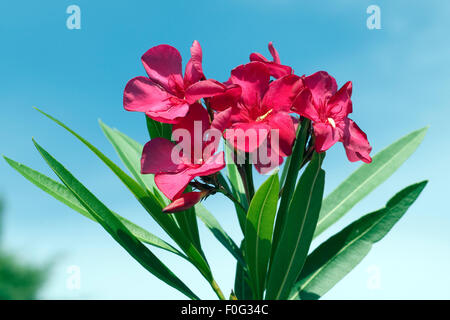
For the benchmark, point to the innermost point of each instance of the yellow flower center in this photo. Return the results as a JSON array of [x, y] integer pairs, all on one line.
[[261, 118], [331, 121]]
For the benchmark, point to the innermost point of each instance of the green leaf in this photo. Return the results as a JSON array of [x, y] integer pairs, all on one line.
[[152, 205], [337, 256], [286, 166], [61, 193], [291, 252], [291, 178], [114, 227], [129, 152], [366, 178], [187, 220], [242, 282], [158, 129], [258, 232], [213, 225], [237, 186]]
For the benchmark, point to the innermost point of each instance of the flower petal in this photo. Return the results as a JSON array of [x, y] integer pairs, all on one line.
[[258, 57], [172, 114], [326, 136], [355, 141], [274, 53], [172, 184], [184, 201], [322, 86], [196, 122], [161, 62], [276, 69], [141, 95], [212, 165], [304, 105], [157, 157], [247, 136], [222, 120], [272, 161], [194, 71], [254, 79], [228, 99], [204, 89], [282, 92], [340, 105], [282, 122]]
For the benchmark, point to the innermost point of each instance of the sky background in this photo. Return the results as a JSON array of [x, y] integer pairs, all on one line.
[[400, 80]]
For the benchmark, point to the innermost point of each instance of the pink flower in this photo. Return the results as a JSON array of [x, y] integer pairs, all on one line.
[[220, 95], [185, 201], [227, 99], [329, 108], [263, 106], [165, 95], [276, 69], [174, 166]]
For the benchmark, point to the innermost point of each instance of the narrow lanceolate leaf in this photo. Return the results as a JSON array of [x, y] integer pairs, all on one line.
[[213, 225], [258, 232], [337, 256], [114, 227], [130, 152], [242, 287], [187, 221], [151, 204], [366, 178], [61, 193], [237, 186], [295, 238], [287, 163], [241, 282]]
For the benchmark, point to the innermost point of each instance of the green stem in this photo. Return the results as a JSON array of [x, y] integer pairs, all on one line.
[[217, 290], [249, 179]]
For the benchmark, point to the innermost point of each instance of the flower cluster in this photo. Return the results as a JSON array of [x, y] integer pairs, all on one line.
[[258, 108]]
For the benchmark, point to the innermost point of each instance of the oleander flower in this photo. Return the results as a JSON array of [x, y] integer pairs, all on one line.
[[175, 165], [328, 108], [263, 106], [276, 69], [165, 95]]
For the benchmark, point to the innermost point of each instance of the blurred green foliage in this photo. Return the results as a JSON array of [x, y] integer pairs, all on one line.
[[18, 280]]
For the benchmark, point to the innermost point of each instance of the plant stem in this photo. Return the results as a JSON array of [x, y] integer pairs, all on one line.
[[217, 290], [249, 179]]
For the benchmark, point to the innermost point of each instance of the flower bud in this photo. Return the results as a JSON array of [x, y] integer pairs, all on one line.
[[185, 201]]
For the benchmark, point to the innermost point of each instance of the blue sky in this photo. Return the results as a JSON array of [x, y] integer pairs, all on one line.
[[401, 83]]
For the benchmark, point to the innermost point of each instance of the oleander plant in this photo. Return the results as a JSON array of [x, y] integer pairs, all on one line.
[[209, 137]]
